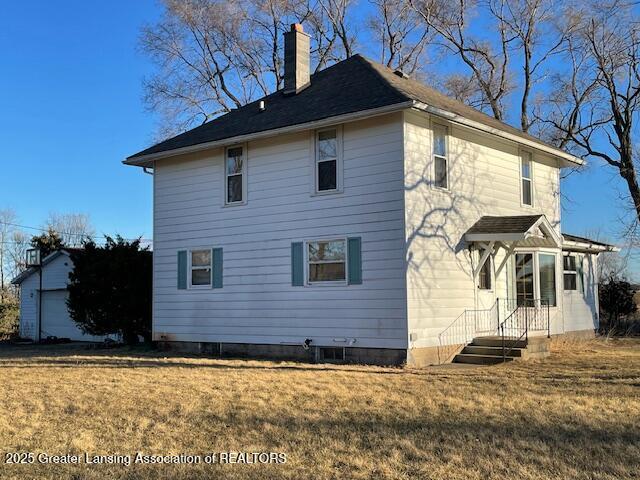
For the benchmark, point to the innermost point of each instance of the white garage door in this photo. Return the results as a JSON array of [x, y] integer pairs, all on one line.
[[56, 320]]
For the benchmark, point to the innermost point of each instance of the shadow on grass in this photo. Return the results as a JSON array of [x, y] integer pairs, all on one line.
[[81, 356]]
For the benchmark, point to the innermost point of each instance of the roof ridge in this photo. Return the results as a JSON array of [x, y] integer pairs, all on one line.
[[372, 65]]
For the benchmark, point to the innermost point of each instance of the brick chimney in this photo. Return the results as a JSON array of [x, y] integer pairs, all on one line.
[[297, 61]]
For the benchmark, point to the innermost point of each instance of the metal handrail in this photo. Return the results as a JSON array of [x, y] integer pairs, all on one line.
[[526, 316], [462, 330]]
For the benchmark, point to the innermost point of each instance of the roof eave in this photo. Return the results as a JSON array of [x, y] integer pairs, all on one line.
[[149, 159], [588, 247], [22, 276], [565, 158]]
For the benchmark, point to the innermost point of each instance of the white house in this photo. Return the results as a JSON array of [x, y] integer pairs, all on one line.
[[50, 298], [358, 214]]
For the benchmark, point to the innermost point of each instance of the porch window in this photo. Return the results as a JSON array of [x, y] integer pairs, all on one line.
[[484, 277], [524, 278], [440, 156], [526, 178], [547, 272]]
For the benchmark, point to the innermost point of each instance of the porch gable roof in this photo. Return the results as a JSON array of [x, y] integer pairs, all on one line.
[[512, 228]]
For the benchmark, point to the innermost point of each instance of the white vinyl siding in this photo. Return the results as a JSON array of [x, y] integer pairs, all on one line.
[[580, 306], [258, 303], [484, 179]]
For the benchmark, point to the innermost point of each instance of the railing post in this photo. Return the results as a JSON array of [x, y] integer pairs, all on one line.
[[504, 353], [548, 321], [498, 313]]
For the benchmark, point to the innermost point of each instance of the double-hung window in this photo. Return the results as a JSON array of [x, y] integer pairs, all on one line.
[[200, 268], [327, 161], [573, 276], [570, 272], [526, 178], [440, 157], [327, 261], [235, 175]]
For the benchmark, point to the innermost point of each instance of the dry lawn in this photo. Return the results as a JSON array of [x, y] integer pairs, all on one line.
[[575, 415]]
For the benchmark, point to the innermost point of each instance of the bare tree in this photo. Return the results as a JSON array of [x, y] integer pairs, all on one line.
[[17, 252], [337, 15], [7, 226], [538, 30], [402, 37], [487, 61], [73, 228], [214, 56], [597, 108]]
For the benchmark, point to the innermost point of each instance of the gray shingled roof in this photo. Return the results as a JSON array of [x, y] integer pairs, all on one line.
[[353, 85], [507, 224]]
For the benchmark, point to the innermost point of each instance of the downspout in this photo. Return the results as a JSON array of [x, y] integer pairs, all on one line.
[[148, 170]]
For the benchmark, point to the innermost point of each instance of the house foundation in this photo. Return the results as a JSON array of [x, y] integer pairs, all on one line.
[[313, 354]]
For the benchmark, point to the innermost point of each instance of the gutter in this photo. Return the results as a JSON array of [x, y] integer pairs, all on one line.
[[147, 160], [570, 160], [589, 247]]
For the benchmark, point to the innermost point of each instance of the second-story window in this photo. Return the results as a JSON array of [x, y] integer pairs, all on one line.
[[526, 178], [440, 157], [327, 163], [235, 172]]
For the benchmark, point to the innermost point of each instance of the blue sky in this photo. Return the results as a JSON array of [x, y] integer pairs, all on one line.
[[71, 110]]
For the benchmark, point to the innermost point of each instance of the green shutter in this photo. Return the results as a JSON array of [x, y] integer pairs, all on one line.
[[216, 255], [297, 264], [182, 270], [354, 256]]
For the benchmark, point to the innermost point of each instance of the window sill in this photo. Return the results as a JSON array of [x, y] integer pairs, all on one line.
[[234, 204], [339, 283], [441, 189], [326, 192]]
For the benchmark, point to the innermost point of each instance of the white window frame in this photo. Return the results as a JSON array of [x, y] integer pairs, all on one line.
[[316, 161], [536, 273], [309, 283], [191, 267], [576, 273], [434, 126], [489, 261], [530, 180], [226, 175]]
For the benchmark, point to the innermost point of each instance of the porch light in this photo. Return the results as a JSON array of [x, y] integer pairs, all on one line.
[[33, 257]]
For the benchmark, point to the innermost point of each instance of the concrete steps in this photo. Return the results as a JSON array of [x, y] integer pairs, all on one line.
[[488, 350]]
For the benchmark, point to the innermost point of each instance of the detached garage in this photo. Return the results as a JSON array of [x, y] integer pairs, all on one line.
[[55, 319]]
